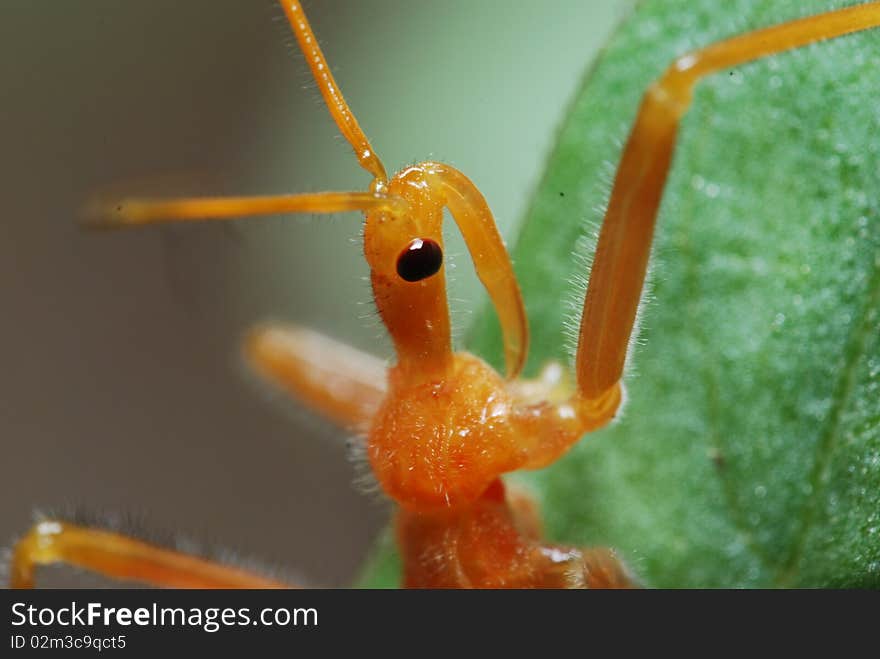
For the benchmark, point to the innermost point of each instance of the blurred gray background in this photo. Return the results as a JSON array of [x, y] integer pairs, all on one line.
[[121, 387]]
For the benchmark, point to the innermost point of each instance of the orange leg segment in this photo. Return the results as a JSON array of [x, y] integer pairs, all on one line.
[[120, 557], [621, 260], [344, 384]]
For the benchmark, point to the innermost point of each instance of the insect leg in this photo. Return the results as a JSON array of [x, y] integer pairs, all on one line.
[[120, 557], [621, 260], [601, 568], [344, 384]]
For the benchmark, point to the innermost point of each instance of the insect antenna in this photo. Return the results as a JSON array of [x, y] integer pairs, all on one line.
[[114, 213], [336, 103]]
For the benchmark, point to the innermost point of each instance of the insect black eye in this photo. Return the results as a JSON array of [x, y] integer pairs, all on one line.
[[421, 259]]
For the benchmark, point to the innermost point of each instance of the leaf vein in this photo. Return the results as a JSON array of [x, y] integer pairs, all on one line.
[[856, 348]]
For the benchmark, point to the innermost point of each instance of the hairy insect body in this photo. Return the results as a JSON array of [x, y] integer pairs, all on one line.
[[438, 446], [439, 443], [494, 542]]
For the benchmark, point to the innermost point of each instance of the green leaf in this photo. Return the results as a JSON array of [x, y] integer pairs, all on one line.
[[749, 451]]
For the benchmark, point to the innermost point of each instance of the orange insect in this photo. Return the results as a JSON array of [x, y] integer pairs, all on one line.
[[442, 427]]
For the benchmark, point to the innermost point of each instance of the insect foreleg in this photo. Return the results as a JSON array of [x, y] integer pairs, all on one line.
[[620, 264], [120, 557], [344, 384]]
